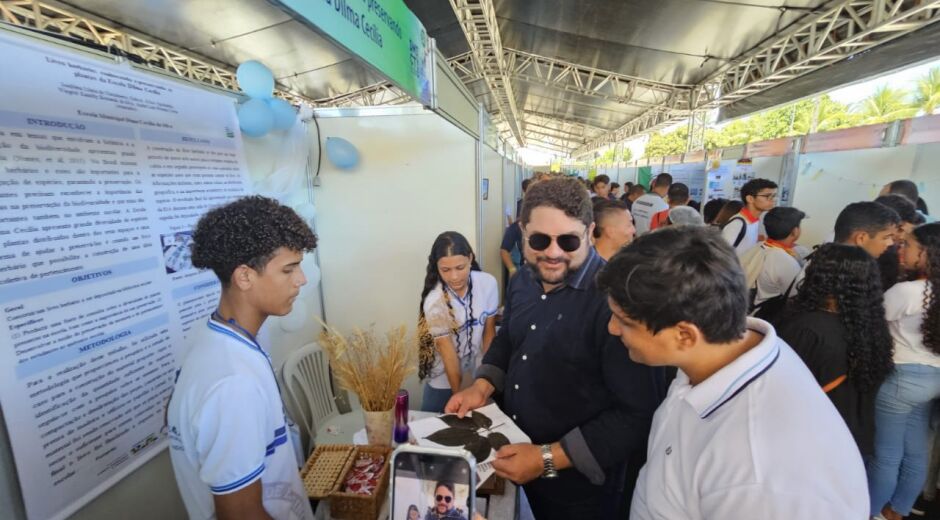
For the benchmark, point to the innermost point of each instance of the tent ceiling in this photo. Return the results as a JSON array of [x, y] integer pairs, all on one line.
[[678, 42], [616, 47], [232, 32]]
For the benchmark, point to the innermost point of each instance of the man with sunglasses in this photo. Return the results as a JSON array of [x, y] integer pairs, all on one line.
[[743, 230], [445, 507], [559, 374]]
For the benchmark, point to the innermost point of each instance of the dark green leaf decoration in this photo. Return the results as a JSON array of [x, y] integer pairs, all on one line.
[[464, 423], [480, 448], [497, 440], [481, 420], [462, 432], [453, 437]]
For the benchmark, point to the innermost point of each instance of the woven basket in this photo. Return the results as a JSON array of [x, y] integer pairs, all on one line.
[[325, 466], [351, 506]]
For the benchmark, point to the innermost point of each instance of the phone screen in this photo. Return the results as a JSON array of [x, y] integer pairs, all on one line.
[[430, 487]]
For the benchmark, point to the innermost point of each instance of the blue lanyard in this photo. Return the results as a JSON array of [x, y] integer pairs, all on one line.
[[218, 317]]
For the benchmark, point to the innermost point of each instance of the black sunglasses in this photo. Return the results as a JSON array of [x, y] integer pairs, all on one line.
[[442, 498], [541, 241]]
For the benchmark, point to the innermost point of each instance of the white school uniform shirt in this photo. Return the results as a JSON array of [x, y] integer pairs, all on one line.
[[643, 210], [904, 310], [756, 440], [779, 271], [227, 427], [485, 303], [732, 230]]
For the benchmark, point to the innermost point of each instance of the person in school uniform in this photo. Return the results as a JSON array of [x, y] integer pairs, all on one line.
[[231, 451], [650, 204], [458, 303], [837, 326], [745, 431], [742, 231]]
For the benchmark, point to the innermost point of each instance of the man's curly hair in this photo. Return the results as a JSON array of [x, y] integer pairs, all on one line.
[[247, 232], [567, 194]]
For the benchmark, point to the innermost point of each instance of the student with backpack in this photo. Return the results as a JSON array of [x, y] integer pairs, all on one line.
[[772, 267], [837, 326], [742, 231]]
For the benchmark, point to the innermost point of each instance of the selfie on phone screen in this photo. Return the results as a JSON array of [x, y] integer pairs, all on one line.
[[431, 487]]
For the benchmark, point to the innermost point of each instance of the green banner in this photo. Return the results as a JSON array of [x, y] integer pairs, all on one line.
[[644, 174], [383, 33]]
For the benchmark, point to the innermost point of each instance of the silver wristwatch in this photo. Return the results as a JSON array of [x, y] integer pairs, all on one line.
[[548, 462]]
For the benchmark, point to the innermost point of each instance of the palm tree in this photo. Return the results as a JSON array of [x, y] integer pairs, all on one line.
[[927, 95], [885, 104]]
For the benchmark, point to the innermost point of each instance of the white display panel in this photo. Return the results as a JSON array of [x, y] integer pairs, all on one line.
[[103, 173], [692, 175]]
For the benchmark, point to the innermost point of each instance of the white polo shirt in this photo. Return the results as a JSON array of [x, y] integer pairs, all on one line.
[[643, 210], [779, 271], [227, 427], [468, 319], [756, 440]]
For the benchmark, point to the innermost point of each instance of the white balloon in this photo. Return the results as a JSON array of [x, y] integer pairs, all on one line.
[[296, 319]]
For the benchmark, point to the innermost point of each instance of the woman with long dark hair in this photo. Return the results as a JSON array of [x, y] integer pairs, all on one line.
[[836, 324], [897, 471], [458, 304]]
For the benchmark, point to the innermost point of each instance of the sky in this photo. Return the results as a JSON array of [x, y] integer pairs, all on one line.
[[850, 94]]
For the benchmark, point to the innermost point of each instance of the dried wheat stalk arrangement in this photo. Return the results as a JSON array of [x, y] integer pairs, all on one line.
[[372, 369]]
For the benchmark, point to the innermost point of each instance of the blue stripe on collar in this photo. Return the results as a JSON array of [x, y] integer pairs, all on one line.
[[228, 332], [740, 384]]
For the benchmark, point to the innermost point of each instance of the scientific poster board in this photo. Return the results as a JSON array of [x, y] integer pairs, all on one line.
[[692, 175], [104, 171], [725, 178]]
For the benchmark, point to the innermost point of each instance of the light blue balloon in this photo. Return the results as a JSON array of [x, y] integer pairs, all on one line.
[[342, 153], [255, 79], [284, 113], [255, 117]]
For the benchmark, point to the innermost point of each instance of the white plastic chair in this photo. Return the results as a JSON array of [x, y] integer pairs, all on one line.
[[307, 384]]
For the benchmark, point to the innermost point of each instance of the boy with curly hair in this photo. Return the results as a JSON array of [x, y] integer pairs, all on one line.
[[230, 448]]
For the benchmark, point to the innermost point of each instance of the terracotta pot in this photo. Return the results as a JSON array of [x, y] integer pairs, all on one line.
[[379, 426]]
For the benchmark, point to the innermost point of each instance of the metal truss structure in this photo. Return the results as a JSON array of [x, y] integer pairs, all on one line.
[[570, 77], [371, 95], [843, 30], [50, 18], [477, 18]]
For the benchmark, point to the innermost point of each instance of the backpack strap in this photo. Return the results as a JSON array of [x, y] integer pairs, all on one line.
[[743, 229], [832, 385]]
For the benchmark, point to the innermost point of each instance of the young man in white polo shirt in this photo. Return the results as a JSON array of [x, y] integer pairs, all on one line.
[[231, 452], [745, 431], [650, 204], [743, 230]]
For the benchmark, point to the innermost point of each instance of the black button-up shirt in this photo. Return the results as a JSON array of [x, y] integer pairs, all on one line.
[[563, 377]]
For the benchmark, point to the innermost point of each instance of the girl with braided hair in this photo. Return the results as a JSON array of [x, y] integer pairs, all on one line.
[[458, 304], [898, 469], [837, 326]]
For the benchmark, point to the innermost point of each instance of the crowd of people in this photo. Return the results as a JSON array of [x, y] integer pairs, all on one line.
[[726, 296], [665, 363]]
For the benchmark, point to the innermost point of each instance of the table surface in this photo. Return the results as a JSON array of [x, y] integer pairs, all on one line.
[[492, 507]]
